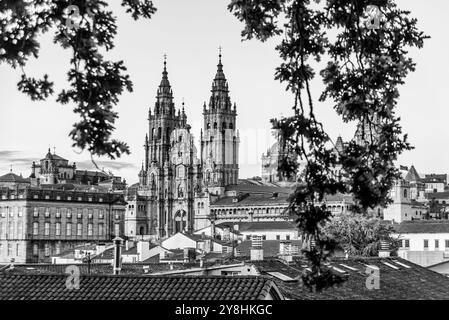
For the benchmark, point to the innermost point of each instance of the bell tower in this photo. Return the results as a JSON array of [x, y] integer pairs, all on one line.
[[220, 140]]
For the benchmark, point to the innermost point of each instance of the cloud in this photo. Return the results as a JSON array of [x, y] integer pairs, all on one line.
[[113, 165], [7, 154]]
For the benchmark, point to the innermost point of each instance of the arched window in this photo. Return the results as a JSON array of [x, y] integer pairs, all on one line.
[[180, 192], [142, 230], [152, 134], [180, 138], [405, 193], [223, 126], [208, 125], [215, 125], [231, 126], [159, 132], [152, 182]]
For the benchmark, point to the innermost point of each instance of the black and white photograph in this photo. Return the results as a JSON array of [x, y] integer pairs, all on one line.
[[224, 151]]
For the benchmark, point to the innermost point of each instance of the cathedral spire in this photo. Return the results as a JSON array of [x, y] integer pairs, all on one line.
[[164, 88], [164, 103], [220, 92]]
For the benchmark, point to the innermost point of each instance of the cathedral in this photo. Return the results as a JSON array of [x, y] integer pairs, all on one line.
[[177, 182]]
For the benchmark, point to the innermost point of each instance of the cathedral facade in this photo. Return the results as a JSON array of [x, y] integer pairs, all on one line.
[[177, 182]]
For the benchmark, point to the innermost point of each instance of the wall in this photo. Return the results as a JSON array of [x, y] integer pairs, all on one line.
[[178, 241]]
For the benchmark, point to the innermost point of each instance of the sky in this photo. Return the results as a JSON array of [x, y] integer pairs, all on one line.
[[190, 33]]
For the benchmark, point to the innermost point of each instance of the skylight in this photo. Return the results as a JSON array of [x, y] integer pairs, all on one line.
[[390, 265], [402, 264], [348, 267], [280, 276]]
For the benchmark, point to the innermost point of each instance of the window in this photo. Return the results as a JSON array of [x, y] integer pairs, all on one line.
[[35, 249], [35, 228], [20, 212], [446, 244], [47, 249], [278, 237], [287, 237], [57, 248], [47, 212], [68, 230], [405, 193], [100, 229], [90, 227], [58, 229], [1, 249], [47, 228], [9, 249], [437, 244], [11, 212], [69, 213], [90, 215], [117, 229], [17, 249], [11, 230], [19, 229], [117, 216], [264, 237], [79, 229], [248, 237], [80, 214], [35, 212], [426, 244], [407, 243], [101, 214], [58, 213]]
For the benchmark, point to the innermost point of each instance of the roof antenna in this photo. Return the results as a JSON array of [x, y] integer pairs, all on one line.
[[54, 150]]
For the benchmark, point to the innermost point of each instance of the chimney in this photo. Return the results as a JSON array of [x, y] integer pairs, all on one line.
[[384, 250], [285, 251], [212, 229], [117, 255], [256, 251]]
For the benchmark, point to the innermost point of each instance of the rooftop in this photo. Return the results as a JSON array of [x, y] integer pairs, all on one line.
[[134, 287], [422, 226], [13, 178], [259, 225], [271, 248], [399, 280]]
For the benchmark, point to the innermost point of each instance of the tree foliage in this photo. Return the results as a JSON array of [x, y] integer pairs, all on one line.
[[85, 27], [359, 235], [362, 71]]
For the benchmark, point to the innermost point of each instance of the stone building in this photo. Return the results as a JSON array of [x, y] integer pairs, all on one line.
[[36, 222], [54, 169], [176, 180]]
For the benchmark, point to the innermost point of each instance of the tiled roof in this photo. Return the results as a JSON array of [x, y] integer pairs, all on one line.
[[260, 225], [339, 197], [437, 195], [102, 287], [258, 189], [422, 226], [270, 247], [13, 178], [412, 175], [106, 254], [399, 280], [90, 173], [253, 199], [433, 178], [132, 250]]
